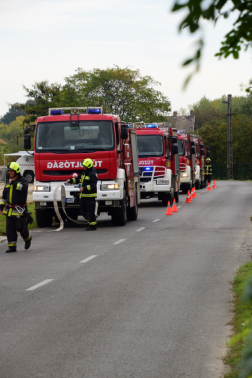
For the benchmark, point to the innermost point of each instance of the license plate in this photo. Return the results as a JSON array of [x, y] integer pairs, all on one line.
[[69, 200], [142, 189]]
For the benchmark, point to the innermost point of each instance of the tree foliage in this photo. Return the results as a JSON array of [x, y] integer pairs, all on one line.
[[14, 111], [211, 124], [240, 36], [120, 91]]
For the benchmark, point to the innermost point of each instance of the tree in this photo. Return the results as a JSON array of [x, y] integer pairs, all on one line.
[[120, 91], [212, 10], [42, 96], [14, 111]]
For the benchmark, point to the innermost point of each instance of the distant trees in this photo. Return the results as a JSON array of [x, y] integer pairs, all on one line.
[[211, 124], [14, 111]]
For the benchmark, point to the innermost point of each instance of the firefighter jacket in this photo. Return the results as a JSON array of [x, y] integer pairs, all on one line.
[[88, 180], [208, 169], [14, 195]]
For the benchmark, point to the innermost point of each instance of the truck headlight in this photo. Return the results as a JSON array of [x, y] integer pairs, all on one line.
[[184, 175], [109, 186], [42, 188]]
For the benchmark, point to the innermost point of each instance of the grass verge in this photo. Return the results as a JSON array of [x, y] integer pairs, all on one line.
[[242, 312], [31, 209]]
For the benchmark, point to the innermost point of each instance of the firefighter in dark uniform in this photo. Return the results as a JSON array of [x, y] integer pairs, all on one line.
[[208, 170], [88, 192], [13, 205]]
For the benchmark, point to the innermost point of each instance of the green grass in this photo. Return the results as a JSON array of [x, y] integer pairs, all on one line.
[[31, 209], [242, 312]]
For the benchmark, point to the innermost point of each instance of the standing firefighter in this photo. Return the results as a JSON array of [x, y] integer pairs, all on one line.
[[208, 170], [13, 205], [88, 180]]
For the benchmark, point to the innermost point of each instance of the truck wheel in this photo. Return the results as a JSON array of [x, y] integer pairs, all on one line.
[[176, 196], [29, 176], [44, 218], [197, 185], [119, 214], [132, 212], [167, 197]]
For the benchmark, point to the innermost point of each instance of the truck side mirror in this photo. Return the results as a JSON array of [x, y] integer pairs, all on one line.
[[174, 139], [192, 150], [202, 152], [192, 143], [208, 153], [174, 149], [208, 148], [124, 132], [27, 130], [27, 142]]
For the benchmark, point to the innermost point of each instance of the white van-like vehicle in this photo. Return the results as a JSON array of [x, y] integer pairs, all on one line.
[[26, 162]]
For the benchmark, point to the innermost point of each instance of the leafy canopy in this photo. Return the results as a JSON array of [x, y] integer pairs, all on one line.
[[120, 91], [212, 10]]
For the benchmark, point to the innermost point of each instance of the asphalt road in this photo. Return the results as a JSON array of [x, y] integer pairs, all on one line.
[[148, 300]]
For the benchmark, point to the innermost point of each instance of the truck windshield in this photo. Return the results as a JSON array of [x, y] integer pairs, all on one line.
[[181, 147], [60, 136], [150, 145]]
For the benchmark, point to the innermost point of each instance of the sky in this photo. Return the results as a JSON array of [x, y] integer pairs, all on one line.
[[50, 39]]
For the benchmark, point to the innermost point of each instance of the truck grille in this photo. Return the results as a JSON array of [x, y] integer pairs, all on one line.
[[182, 167], [66, 172], [151, 173]]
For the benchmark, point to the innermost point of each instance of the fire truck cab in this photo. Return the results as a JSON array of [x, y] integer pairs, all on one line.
[[158, 161], [67, 136], [186, 161]]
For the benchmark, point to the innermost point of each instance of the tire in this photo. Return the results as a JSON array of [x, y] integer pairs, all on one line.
[[167, 197], [132, 212], [44, 218], [119, 215], [197, 185], [176, 196], [29, 176]]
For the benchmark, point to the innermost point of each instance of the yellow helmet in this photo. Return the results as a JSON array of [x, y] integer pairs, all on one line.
[[87, 163], [14, 166]]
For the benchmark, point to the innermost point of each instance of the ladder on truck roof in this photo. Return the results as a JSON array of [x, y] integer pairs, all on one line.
[[75, 110]]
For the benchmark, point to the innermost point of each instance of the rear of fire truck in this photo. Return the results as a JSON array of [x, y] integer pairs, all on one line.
[[158, 162], [186, 161], [67, 136]]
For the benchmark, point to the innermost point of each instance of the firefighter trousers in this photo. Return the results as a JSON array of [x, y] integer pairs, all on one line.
[[14, 224], [208, 179], [87, 209]]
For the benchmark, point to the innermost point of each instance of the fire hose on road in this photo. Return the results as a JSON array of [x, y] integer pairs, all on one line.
[[63, 201]]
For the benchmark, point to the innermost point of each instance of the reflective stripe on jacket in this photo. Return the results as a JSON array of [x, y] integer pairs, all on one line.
[[208, 169]]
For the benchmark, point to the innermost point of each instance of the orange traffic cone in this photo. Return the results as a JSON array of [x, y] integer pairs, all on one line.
[[195, 193], [209, 187], [174, 207], [214, 185], [168, 211], [188, 199]]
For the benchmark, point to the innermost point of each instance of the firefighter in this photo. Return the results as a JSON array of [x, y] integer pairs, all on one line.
[[13, 205], [88, 192], [208, 170]]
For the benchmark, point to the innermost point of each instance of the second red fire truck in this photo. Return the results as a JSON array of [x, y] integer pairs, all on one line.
[[158, 161]]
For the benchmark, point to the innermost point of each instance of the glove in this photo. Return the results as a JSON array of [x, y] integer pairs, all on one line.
[[29, 218]]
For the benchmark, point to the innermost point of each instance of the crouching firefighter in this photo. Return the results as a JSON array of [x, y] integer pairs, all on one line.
[[13, 205], [88, 192]]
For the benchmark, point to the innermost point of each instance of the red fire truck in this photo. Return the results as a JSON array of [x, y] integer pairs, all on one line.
[[186, 161], [158, 161], [200, 154], [67, 136]]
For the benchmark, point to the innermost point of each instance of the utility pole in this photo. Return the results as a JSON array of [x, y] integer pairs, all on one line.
[[229, 139]]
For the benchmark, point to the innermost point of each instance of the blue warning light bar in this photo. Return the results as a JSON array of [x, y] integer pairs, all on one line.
[[152, 126], [94, 111], [57, 112], [147, 168]]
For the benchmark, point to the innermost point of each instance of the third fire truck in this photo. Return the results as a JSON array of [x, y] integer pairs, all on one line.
[[186, 161]]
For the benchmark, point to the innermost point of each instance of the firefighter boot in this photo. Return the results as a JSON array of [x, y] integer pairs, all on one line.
[[11, 249], [28, 243], [91, 228]]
